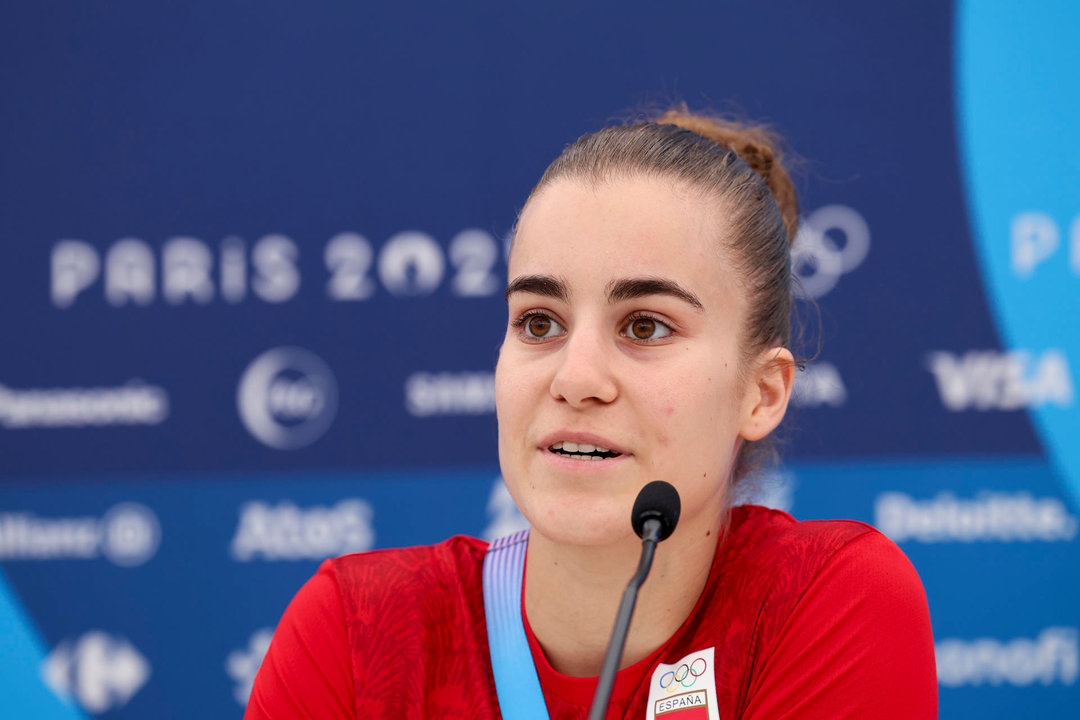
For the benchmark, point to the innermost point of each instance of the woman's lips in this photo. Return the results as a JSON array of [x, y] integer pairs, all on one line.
[[573, 442], [575, 463], [581, 450]]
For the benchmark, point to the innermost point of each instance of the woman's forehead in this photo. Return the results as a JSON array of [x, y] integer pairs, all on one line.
[[600, 233]]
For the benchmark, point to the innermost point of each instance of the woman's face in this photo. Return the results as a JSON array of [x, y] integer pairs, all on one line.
[[621, 359]]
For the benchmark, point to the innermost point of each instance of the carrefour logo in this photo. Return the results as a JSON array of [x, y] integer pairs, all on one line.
[[287, 398], [99, 671]]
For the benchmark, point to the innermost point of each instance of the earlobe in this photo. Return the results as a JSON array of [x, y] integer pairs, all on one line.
[[769, 396]]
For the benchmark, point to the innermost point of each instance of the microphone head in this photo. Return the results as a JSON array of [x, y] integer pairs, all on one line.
[[657, 500]]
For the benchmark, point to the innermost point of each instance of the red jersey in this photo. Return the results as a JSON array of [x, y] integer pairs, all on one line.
[[818, 619]]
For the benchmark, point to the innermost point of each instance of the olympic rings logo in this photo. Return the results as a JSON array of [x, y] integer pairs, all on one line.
[[684, 676], [817, 259]]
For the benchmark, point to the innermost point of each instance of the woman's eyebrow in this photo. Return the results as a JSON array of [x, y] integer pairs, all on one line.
[[630, 288], [540, 285]]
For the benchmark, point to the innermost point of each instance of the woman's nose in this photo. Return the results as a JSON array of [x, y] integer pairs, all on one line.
[[584, 374]]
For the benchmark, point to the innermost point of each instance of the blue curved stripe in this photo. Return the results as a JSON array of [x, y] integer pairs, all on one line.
[[22, 653], [1018, 105]]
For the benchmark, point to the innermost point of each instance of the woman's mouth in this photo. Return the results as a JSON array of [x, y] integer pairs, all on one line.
[[581, 451]]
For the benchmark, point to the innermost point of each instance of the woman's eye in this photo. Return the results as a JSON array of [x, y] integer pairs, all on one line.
[[539, 326], [646, 328]]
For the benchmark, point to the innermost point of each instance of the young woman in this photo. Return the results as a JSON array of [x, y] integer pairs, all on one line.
[[649, 321]]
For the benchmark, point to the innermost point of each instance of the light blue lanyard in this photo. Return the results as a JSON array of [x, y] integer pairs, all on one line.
[[516, 683]]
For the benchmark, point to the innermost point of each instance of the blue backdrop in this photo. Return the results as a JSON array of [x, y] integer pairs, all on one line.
[[251, 265]]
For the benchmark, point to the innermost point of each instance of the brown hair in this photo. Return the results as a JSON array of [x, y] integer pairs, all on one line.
[[740, 165]]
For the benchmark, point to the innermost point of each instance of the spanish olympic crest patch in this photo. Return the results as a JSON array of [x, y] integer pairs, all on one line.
[[685, 690]]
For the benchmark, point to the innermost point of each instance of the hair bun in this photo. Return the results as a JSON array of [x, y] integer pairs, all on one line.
[[757, 145]]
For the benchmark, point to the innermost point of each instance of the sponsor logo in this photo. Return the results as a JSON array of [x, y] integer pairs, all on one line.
[[435, 394], [818, 385], [988, 517], [134, 403], [243, 664], [1052, 657], [986, 380], [685, 690], [287, 398], [287, 532], [99, 671], [127, 535], [504, 518], [817, 259], [1035, 238]]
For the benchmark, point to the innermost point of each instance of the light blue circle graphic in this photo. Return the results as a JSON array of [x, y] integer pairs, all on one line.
[[1018, 105]]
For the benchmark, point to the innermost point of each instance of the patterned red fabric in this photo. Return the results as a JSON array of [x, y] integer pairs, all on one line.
[[820, 619]]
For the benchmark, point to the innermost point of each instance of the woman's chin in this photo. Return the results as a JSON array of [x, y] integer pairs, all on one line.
[[570, 514], [571, 527]]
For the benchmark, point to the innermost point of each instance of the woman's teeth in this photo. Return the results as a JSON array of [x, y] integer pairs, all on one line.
[[582, 451]]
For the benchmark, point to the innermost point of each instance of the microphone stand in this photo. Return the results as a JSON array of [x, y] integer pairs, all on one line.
[[650, 536]]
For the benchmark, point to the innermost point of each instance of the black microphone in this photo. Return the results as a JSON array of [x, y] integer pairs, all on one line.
[[654, 517]]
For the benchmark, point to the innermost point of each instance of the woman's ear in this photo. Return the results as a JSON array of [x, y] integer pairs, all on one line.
[[768, 395]]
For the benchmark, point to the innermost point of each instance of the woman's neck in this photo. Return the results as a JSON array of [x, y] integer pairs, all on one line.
[[572, 594]]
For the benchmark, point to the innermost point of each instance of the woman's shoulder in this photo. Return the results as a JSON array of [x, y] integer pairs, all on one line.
[[777, 526], [455, 561], [838, 612], [766, 537], [366, 615], [448, 554], [785, 562]]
